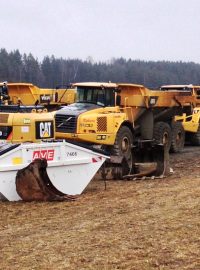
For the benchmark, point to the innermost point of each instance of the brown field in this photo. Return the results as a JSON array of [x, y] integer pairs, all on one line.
[[146, 224]]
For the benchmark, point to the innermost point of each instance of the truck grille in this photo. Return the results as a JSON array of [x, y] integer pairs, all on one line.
[[66, 123], [102, 124]]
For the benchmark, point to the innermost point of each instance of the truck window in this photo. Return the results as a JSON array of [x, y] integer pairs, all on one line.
[[98, 96]]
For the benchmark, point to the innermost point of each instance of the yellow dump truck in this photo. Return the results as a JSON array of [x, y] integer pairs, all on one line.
[[121, 116], [29, 94], [189, 121], [191, 125]]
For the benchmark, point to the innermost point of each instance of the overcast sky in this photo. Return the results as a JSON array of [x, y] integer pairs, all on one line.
[[103, 29]]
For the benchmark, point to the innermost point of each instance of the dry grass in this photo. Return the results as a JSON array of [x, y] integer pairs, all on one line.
[[152, 224]]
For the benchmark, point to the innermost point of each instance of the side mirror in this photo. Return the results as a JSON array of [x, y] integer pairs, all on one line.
[[118, 100]]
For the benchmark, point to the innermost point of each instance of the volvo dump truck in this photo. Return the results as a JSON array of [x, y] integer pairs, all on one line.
[[32, 124], [120, 117], [29, 94], [190, 121], [191, 125]]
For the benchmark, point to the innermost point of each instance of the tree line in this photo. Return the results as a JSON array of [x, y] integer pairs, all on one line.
[[51, 71]]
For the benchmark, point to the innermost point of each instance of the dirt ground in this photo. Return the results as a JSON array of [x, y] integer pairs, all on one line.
[[143, 224]]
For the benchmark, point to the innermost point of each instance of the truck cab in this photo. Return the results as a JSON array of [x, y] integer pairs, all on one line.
[[95, 115]]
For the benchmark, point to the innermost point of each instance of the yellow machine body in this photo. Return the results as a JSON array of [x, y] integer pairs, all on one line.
[[18, 127], [137, 105], [190, 122], [29, 94]]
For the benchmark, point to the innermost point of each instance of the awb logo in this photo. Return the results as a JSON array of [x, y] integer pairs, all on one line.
[[44, 130], [46, 154]]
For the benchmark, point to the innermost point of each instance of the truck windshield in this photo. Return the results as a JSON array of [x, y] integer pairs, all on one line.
[[99, 96]]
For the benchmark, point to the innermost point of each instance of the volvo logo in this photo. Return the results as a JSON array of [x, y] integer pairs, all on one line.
[[64, 122]]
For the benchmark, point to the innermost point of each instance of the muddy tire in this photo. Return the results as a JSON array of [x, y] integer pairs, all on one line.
[[163, 134], [123, 145], [195, 138], [178, 137]]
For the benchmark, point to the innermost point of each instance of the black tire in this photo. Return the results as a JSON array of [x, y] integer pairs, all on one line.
[[195, 138], [123, 145], [162, 134], [178, 137]]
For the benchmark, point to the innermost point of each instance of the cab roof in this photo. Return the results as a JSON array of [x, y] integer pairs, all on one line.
[[96, 84], [130, 85], [177, 86], [106, 84]]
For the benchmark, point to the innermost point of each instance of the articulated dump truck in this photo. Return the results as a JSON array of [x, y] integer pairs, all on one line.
[[129, 121], [35, 166], [189, 121], [28, 94]]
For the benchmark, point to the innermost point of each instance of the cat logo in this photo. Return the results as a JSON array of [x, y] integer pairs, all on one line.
[[44, 130]]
